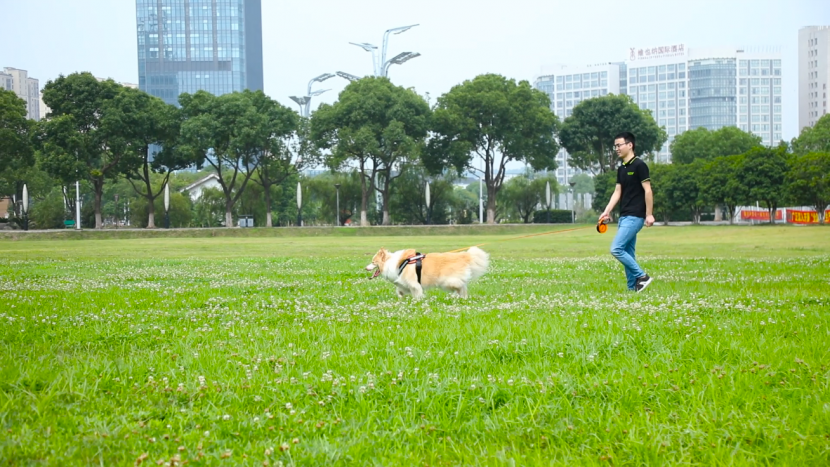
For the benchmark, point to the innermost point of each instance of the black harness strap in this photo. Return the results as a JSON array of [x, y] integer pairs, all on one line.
[[417, 261]]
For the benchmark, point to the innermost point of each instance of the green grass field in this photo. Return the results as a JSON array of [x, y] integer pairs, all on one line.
[[268, 351]]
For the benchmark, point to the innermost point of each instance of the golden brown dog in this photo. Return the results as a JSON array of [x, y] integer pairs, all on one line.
[[449, 271]]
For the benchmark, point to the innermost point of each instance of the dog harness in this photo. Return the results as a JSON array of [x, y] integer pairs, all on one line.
[[413, 260]]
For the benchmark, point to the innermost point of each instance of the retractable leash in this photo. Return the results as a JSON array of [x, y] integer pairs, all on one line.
[[602, 225], [552, 232]]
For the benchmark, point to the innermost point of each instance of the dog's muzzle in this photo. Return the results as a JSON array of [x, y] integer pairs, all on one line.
[[376, 271]]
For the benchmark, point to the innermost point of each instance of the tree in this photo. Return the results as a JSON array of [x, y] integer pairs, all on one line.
[[284, 157], [809, 181], [150, 129], [231, 133], [604, 185], [498, 121], [701, 143], [682, 188], [815, 138], [323, 196], [75, 143], [661, 177], [379, 126], [588, 134], [521, 195], [763, 172], [721, 185], [16, 150], [408, 201]]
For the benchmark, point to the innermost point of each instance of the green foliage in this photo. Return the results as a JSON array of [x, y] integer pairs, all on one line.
[[520, 196], [720, 185], [498, 120], [322, 197], [408, 201], [815, 138], [76, 144], [808, 181], [604, 185], [763, 173], [376, 125], [181, 211], [208, 209], [16, 130], [49, 212], [230, 133], [701, 143], [557, 216], [584, 184], [588, 134]]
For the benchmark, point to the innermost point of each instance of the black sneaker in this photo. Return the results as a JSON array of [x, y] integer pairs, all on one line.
[[642, 283]]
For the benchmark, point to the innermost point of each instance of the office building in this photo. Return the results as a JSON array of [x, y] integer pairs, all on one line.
[[813, 74], [687, 88], [188, 45], [568, 86], [26, 88]]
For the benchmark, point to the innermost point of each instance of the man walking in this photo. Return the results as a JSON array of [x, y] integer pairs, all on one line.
[[633, 192]]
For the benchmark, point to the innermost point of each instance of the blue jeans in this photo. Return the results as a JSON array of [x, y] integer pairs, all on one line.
[[623, 247]]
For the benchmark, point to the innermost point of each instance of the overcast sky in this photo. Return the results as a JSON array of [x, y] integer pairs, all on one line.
[[457, 39]]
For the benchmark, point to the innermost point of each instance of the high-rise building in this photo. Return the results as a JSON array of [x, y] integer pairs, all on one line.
[[568, 86], [188, 45], [694, 88], [813, 74], [26, 88]]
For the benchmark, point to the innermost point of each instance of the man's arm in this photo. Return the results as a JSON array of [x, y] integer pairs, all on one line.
[[615, 197], [649, 203]]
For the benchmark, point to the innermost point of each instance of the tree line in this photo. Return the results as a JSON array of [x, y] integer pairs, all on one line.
[[380, 145]]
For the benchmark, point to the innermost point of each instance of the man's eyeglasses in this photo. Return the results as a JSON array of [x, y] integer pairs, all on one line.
[[617, 146]]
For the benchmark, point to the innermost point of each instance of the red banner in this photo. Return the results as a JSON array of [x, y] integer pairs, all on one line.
[[802, 217], [759, 215], [827, 216]]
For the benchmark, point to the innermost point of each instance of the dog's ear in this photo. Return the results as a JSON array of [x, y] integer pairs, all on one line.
[[383, 253]]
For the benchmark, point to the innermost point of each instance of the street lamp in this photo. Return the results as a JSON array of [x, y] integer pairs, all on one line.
[[573, 202], [25, 207], [347, 76], [429, 211], [337, 187], [305, 101], [381, 67], [547, 197], [166, 205], [77, 205], [299, 205], [116, 211]]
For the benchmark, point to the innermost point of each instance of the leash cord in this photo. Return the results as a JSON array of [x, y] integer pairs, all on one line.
[[520, 237]]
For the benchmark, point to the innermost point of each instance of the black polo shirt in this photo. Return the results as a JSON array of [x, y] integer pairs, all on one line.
[[631, 176]]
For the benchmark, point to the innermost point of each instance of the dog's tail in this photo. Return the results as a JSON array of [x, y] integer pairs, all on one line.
[[479, 262]]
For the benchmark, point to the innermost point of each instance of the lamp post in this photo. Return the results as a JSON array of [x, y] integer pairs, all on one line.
[[337, 214], [547, 197], [25, 207], [380, 65], [166, 205], [299, 205], [305, 101], [573, 202], [116, 211], [429, 211], [77, 205]]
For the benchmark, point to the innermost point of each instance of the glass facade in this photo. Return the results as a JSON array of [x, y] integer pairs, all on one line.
[[662, 89], [759, 98], [188, 45], [712, 93]]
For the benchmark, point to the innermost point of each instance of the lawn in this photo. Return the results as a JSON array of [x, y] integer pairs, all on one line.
[[268, 351]]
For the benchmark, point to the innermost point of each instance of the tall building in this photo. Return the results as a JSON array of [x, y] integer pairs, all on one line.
[[694, 88], [26, 88], [568, 86], [813, 74], [188, 45]]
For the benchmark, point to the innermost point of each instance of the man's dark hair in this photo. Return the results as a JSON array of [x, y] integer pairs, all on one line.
[[628, 137]]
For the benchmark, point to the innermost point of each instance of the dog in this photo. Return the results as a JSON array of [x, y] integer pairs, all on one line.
[[412, 272]]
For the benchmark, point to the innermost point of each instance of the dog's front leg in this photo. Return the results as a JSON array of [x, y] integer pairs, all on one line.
[[417, 292], [402, 292]]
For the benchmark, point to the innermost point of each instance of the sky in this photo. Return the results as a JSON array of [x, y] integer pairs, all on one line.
[[457, 40]]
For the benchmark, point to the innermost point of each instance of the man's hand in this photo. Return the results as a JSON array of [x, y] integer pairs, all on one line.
[[649, 220], [604, 215]]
